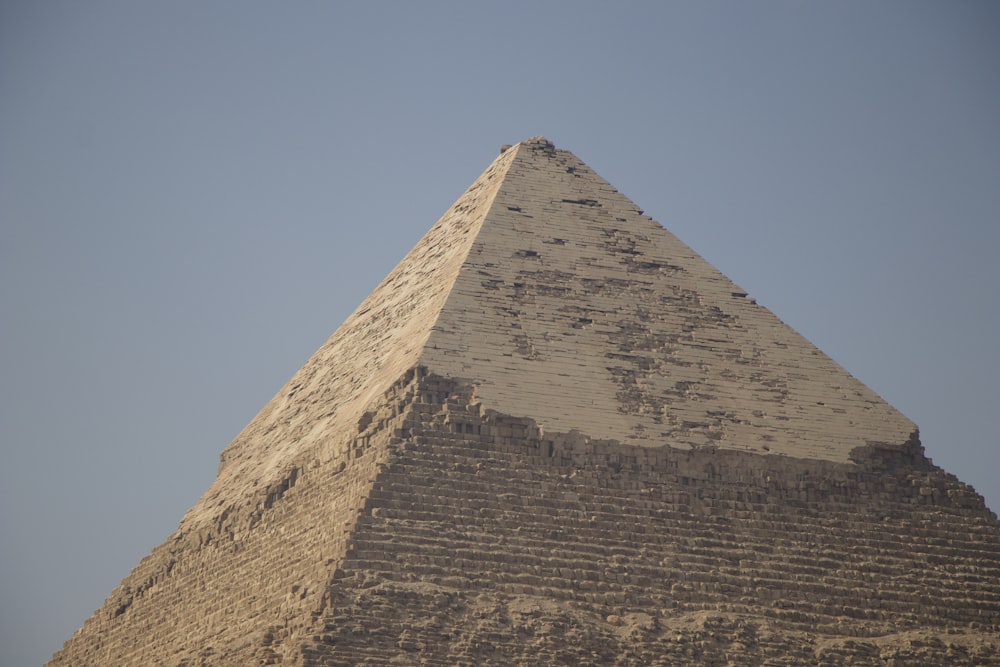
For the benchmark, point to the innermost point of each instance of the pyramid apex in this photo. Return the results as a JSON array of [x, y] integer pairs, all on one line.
[[539, 142], [533, 143]]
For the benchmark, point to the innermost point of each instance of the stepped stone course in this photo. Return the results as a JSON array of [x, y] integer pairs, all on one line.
[[555, 435]]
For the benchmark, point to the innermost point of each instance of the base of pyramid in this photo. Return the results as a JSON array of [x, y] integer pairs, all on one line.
[[450, 534]]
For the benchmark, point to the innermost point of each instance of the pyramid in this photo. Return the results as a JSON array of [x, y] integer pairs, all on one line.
[[556, 435]]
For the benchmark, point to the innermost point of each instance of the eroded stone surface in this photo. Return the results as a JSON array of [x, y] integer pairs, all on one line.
[[450, 534]]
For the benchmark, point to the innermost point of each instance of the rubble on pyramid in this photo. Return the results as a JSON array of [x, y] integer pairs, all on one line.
[[554, 434]]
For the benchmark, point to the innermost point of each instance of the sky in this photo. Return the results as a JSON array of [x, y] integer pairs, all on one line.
[[194, 195]]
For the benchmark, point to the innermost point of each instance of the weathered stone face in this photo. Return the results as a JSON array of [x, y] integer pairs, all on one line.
[[554, 434], [575, 309]]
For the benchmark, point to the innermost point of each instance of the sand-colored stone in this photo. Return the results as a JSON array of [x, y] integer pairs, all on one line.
[[555, 435], [568, 284]]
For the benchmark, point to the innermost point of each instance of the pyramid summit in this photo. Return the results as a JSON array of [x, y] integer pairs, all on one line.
[[555, 434]]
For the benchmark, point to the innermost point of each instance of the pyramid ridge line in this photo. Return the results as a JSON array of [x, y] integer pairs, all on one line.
[[377, 343]]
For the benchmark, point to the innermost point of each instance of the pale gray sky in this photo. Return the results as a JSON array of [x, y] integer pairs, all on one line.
[[194, 195]]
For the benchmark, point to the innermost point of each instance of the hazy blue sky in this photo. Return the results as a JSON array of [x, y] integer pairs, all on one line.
[[194, 195]]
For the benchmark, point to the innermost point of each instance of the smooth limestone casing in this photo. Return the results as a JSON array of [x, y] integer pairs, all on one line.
[[569, 285]]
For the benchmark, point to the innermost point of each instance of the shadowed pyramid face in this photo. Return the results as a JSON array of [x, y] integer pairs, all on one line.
[[539, 441]]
